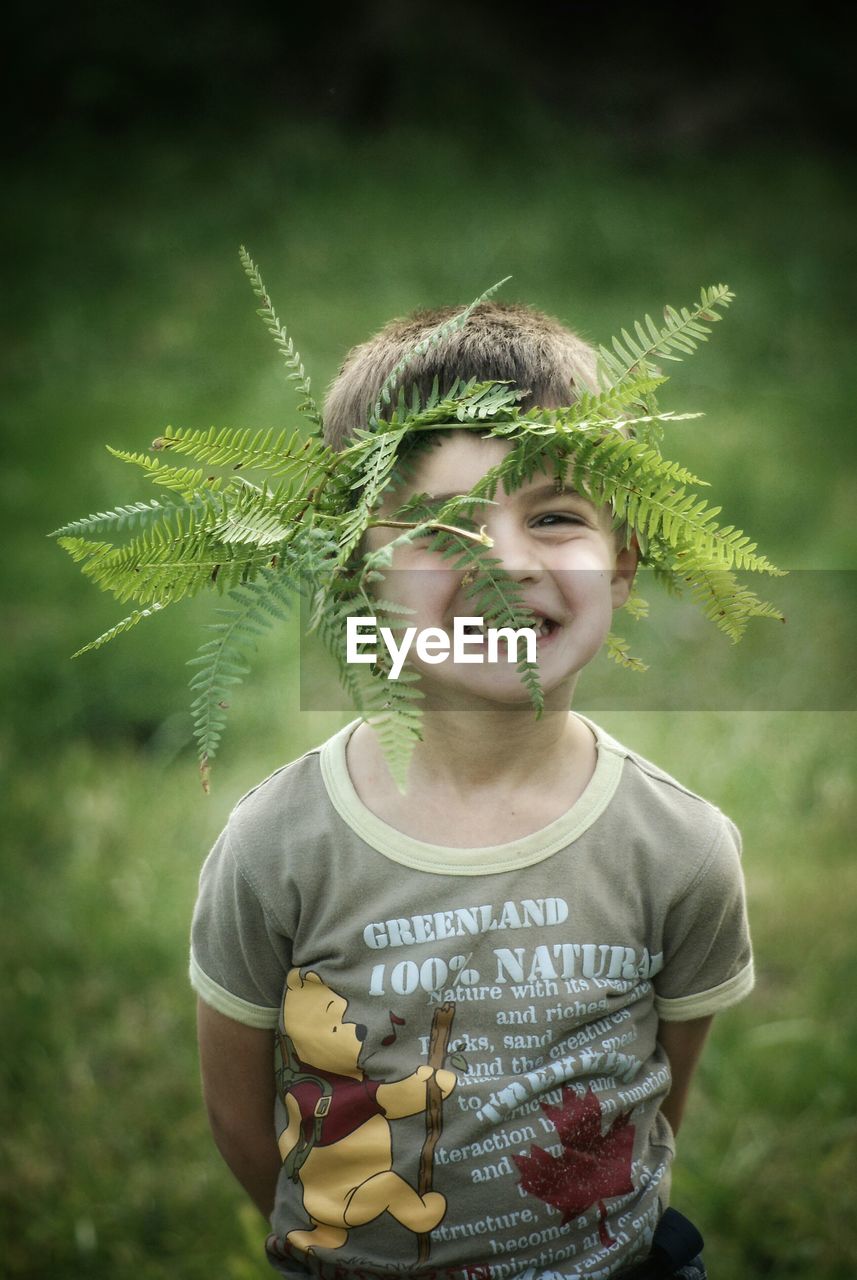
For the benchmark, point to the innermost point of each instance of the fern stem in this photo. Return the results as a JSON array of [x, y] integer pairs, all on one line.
[[313, 495], [481, 538]]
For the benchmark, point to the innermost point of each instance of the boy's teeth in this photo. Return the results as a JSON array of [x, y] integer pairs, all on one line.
[[543, 627]]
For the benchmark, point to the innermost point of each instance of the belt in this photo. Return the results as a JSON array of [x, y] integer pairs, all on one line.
[[676, 1242]]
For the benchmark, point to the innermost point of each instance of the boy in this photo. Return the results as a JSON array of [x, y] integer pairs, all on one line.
[[489, 994]]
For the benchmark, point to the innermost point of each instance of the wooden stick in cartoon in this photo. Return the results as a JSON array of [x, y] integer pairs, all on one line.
[[337, 1140], [441, 1026]]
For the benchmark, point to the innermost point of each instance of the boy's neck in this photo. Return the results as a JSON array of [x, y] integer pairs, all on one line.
[[478, 778]]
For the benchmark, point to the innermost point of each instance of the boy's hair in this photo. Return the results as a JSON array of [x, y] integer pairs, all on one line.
[[500, 341]]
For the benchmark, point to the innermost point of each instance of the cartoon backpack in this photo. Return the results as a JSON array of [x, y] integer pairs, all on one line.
[[291, 1073]]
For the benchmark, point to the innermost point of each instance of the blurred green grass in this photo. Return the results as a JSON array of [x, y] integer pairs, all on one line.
[[129, 311]]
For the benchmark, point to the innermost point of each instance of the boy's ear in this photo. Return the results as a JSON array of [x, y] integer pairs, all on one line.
[[623, 574]]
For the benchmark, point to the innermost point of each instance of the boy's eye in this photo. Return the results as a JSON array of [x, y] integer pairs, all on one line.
[[552, 518]]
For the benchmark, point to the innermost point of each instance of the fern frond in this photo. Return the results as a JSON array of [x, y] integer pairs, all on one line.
[[224, 661], [682, 333], [716, 591], [302, 460], [463, 403], [260, 518], [392, 708], [620, 651], [125, 625], [568, 422], [497, 595], [173, 559], [125, 519], [427, 517], [635, 605], [84, 549], [182, 480], [649, 493], [646, 490], [723, 599], [423, 507], [603, 410], [374, 454], [284, 343], [380, 461], [665, 574], [327, 620], [425, 344], [562, 449]]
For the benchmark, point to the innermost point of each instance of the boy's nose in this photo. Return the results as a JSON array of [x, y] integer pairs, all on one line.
[[514, 552]]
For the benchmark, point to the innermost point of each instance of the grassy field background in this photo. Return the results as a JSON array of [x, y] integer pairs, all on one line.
[[128, 311]]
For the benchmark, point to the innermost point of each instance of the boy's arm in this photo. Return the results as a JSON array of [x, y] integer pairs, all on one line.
[[239, 1089], [682, 1042]]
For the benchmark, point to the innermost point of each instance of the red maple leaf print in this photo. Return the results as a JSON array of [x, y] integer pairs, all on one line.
[[593, 1165]]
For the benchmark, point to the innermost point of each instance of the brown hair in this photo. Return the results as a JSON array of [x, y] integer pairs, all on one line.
[[500, 341]]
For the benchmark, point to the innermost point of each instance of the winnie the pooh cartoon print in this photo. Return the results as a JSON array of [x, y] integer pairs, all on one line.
[[337, 1141]]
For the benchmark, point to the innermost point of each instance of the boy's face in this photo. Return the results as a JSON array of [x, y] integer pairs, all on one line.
[[559, 547]]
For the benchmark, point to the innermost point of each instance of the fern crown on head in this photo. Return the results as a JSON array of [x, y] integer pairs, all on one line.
[[296, 527]]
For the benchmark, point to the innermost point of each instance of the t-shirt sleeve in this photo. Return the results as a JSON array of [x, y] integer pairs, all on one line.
[[238, 958], [708, 959]]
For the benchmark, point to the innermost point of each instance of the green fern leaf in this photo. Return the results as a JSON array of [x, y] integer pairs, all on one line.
[[497, 596], [619, 651], [392, 708], [136, 515], [183, 480], [284, 343], [224, 661], [682, 333], [433, 339], [635, 605], [173, 559], [125, 625], [301, 460]]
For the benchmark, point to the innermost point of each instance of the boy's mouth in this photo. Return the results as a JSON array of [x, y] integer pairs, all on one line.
[[543, 628]]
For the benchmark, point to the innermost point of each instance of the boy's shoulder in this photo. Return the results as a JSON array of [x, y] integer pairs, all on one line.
[[659, 778], [665, 811], [285, 802]]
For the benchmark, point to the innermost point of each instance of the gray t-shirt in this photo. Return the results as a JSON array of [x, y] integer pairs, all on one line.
[[533, 973]]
